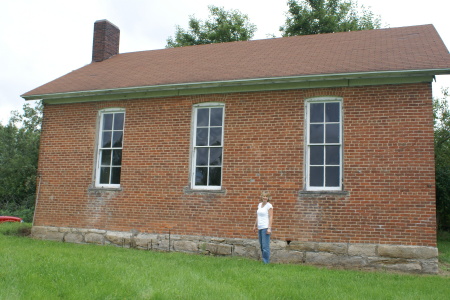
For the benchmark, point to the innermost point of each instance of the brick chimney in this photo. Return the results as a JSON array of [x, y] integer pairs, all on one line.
[[106, 40]]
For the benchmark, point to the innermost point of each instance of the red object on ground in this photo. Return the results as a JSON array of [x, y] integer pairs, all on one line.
[[10, 219]]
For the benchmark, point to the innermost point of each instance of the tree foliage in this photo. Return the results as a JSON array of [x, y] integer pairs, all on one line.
[[442, 158], [19, 149], [222, 26], [326, 16]]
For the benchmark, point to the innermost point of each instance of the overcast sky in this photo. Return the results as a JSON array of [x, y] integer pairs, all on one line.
[[41, 40]]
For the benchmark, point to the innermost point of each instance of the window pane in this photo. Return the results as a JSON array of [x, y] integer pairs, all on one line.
[[117, 158], [109, 160], [332, 134], [215, 176], [202, 137], [316, 133], [201, 175], [118, 121], [316, 111], [117, 138], [324, 147], [316, 155], [203, 117], [215, 138], [104, 175], [115, 175], [316, 176], [106, 139], [332, 112], [332, 178], [107, 121], [216, 116], [106, 157], [216, 157], [208, 142], [202, 157], [333, 155]]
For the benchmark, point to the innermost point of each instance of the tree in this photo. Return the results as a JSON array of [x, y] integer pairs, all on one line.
[[326, 16], [19, 149], [222, 26], [442, 159]]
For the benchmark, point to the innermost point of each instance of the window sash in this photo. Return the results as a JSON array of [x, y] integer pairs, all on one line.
[[110, 148], [207, 152], [324, 155]]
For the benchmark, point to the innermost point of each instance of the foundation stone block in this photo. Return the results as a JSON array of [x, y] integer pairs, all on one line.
[[47, 233], [286, 256], [321, 258], [274, 244], [162, 245], [302, 246], [118, 238], [396, 264], [430, 266], [246, 251], [407, 251], [217, 249], [146, 241], [185, 246], [94, 238], [337, 248], [362, 250], [73, 238]]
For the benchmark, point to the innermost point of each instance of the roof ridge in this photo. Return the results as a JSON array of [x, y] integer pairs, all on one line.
[[286, 37]]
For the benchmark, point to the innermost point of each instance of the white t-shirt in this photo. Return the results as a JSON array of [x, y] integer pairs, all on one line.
[[263, 215]]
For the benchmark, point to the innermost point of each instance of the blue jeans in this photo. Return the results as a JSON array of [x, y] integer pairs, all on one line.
[[264, 242]]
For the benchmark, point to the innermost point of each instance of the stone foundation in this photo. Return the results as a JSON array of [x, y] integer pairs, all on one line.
[[411, 259]]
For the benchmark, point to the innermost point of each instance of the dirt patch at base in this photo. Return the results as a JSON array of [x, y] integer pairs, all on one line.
[[444, 269]]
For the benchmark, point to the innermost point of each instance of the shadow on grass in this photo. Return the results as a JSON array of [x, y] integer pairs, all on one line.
[[15, 229], [444, 253]]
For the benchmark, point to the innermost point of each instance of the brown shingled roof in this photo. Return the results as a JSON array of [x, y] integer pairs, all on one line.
[[394, 49]]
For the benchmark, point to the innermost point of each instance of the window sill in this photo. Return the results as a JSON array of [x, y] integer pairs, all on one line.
[[188, 190], [323, 193], [104, 189]]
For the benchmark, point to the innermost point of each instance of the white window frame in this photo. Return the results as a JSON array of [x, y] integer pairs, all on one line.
[[99, 149], [308, 144], [194, 148]]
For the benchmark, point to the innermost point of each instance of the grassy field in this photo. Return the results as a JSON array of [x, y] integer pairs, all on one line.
[[32, 269]]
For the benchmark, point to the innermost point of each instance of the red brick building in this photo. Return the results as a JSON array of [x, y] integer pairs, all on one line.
[[170, 149]]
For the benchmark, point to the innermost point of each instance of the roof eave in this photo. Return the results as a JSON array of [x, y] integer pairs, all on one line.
[[256, 84]]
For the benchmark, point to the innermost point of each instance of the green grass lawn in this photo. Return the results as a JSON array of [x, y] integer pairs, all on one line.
[[33, 269], [444, 250]]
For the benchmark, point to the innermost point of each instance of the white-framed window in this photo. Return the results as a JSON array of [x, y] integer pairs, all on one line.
[[324, 144], [110, 146], [207, 143]]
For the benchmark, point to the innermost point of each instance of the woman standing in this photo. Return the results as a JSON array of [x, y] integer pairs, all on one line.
[[264, 218]]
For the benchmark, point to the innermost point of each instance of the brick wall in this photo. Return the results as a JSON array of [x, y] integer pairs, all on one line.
[[389, 186]]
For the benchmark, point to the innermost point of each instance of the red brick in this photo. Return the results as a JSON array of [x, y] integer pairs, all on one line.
[[388, 168]]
